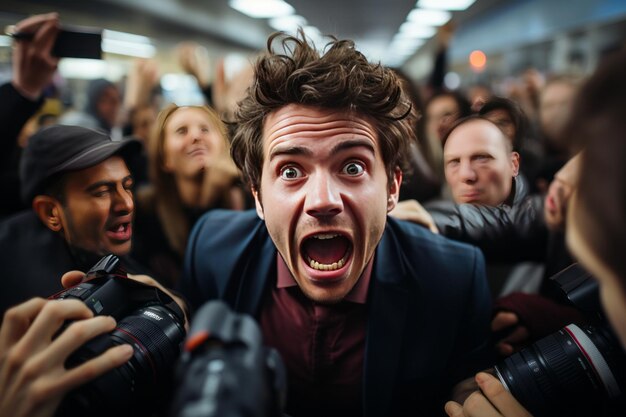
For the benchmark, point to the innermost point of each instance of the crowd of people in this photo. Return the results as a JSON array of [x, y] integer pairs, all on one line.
[[383, 246]]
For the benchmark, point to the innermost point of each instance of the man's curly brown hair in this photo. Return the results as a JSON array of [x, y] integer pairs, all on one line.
[[339, 78]]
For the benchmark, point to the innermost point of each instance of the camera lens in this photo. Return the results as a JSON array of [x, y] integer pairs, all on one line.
[[144, 381], [575, 371]]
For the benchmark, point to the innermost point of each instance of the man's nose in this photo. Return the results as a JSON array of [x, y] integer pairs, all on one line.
[[467, 173], [323, 197], [123, 201]]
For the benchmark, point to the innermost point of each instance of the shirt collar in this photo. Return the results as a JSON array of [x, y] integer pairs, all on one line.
[[358, 294]]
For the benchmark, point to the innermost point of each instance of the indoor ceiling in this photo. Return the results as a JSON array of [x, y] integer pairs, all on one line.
[[371, 23]]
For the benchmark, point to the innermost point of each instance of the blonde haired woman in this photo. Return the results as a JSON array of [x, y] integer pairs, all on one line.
[[191, 172]]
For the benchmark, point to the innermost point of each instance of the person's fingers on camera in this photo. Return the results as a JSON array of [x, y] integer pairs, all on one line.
[[77, 334], [454, 409], [476, 405], [110, 359], [17, 320], [48, 322], [504, 349], [503, 319], [497, 395], [519, 336], [71, 278]]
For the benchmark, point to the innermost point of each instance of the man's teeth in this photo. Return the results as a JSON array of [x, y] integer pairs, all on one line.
[[326, 267], [325, 236]]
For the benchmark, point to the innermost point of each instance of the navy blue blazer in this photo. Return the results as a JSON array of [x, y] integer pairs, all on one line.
[[428, 304]]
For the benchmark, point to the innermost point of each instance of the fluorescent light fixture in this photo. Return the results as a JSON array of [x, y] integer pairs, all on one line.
[[6, 40], [416, 30], [289, 23], [429, 17], [445, 4], [123, 43], [84, 69], [262, 9], [128, 48], [405, 44], [125, 37]]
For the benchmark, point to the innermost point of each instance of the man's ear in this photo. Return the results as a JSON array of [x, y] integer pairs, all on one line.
[[515, 163], [49, 212], [257, 203], [394, 190]]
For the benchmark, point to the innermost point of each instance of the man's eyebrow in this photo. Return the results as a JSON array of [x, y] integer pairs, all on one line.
[[290, 150], [106, 183], [353, 143]]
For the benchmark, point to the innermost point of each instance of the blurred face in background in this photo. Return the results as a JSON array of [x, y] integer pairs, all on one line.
[[479, 164], [108, 105], [554, 109], [440, 110], [192, 142]]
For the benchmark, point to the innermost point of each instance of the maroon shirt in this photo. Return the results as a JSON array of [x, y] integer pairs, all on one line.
[[322, 345]]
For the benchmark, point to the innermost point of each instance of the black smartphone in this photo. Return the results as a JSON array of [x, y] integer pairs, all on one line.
[[78, 42]]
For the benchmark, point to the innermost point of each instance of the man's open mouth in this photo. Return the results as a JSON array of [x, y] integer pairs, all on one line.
[[326, 251], [120, 231]]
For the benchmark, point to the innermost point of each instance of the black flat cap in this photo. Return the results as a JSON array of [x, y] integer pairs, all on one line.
[[57, 149]]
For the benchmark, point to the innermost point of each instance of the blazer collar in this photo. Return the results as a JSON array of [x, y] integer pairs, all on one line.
[[387, 315]]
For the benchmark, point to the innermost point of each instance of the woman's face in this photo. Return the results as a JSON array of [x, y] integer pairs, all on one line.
[[612, 295], [192, 142]]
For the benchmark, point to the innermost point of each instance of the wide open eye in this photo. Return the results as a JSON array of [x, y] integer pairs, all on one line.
[[290, 173], [353, 169]]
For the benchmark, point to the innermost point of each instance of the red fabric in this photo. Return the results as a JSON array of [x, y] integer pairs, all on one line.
[[539, 314], [322, 347]]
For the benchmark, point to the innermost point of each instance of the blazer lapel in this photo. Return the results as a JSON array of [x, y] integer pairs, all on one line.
[[387, 315], [256, 267]]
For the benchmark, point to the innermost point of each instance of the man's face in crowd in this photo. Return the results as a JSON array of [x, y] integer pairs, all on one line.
[[324, 196], [554, 109], [99, 208], [109, 104], [478, 164], [440, 110]]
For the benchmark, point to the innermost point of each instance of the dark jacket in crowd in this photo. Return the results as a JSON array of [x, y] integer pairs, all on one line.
[[15, 110]]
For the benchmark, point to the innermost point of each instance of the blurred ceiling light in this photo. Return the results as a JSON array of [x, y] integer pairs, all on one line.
[[429, 17], [84, 69], [477, 60], [125, 37], [128, 48], [6, 40], [445, 4], [289, 23], [123, 43], [262, 9], [416, 30]]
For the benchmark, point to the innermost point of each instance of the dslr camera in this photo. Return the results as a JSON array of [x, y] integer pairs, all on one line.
[[226, 371], [149, 320], [577, 371]]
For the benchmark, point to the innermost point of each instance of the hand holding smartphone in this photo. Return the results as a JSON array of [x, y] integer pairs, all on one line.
[[71, 41]]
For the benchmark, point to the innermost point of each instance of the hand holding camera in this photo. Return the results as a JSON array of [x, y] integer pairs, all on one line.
[[33, 377]]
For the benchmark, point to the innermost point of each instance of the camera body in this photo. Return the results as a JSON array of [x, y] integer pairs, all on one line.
[[226, 371], [576, 371], [149, 320]]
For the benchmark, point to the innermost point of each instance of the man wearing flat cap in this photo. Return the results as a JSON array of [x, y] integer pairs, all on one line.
[[79, 187]]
